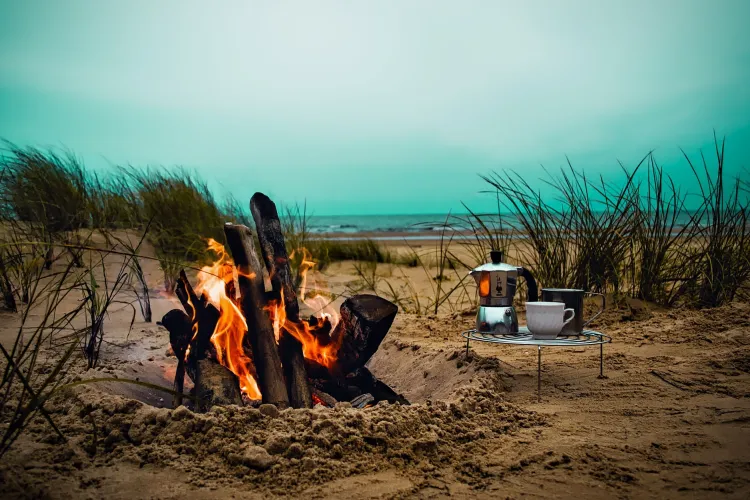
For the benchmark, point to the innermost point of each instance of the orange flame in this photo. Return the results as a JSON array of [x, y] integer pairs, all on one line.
[[317, 303], [317, 344], [222, 275], [231, 327]]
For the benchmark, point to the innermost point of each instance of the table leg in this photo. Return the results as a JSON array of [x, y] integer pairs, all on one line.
[[539, 374], [601, 360], [467, 346]]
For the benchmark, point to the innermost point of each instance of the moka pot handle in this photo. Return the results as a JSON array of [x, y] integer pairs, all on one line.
[[533, 291]]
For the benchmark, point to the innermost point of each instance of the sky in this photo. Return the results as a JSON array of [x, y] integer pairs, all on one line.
[[376, 107]]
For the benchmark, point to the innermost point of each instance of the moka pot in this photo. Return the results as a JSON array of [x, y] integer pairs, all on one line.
[[496, 284]]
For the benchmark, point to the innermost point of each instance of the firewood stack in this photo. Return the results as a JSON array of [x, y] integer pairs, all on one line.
[[284, 376]]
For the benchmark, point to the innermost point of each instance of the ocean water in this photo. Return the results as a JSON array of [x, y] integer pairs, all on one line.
[[410, 226], [352, 224]]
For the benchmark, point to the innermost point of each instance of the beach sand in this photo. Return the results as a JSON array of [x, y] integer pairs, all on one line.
[[670, 419]]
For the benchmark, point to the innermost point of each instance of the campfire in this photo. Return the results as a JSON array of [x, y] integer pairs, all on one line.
[[240, 337]]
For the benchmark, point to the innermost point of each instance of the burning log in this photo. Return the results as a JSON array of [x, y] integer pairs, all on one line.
[[260, 338], [365, 320], [323, 398], [204, 318], [379, 390], [363, 400], [239, 333], [355, 385], [214, 384], [180, 332], [277, 262]]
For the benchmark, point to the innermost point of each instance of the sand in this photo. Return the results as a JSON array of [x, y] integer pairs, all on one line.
[[671, 419]]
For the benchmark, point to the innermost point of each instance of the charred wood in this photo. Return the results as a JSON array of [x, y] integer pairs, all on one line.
[[365, 320], [338, 388], [321, 329], [355, 384], [276, 258], [363, 400], [316, 371], [180, 332], [368, 383], [260, 338], [215, 385], [204, 317], [321, 397]]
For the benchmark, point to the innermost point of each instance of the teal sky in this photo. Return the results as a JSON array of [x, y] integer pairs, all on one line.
[[387, 106]]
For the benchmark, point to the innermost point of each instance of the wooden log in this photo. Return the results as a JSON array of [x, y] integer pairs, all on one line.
[[337, 387], [204, 317], [355, 384], [320, 328], [273, 249], [323, 398], [260, 338], [365, 320], [215, 385], [180, 332], [368, 383], [316, 371], [362, 401]]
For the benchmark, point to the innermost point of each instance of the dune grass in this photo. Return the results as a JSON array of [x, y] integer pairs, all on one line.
[[632, 238], [45, 187], [636, 237]]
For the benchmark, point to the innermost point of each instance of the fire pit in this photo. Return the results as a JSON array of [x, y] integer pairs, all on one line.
[[241, 340]]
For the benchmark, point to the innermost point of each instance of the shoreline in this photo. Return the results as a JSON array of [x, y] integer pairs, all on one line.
[[395, 237]]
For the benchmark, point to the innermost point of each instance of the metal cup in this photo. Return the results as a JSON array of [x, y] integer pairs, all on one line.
[[573, 299]]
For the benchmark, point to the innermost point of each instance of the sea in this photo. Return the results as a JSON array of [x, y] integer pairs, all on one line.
[[408, 226], [349, 224], [380, 227]]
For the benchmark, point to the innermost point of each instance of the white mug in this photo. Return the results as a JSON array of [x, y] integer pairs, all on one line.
[[545, 320]]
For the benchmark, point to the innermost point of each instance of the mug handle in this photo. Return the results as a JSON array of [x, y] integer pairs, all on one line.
[[601, 309], [571, 314]]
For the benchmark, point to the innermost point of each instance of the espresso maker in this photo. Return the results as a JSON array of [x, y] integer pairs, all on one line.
[[496, 283]]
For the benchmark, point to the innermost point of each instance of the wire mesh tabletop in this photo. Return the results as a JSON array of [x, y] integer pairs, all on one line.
[[524, 337]]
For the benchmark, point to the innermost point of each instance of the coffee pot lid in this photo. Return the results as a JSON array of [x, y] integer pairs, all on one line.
[[496, 264], [490, 266]]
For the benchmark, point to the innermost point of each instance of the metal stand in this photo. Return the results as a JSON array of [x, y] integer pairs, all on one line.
[[523, 337], [539, 374]]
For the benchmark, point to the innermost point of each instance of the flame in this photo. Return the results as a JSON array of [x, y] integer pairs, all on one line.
[[220, 280], [317, 345], [231, 327], [194, 324], [317, 303]]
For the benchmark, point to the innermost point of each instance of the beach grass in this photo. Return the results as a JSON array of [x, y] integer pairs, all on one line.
[[635, 238], [622, 235]]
